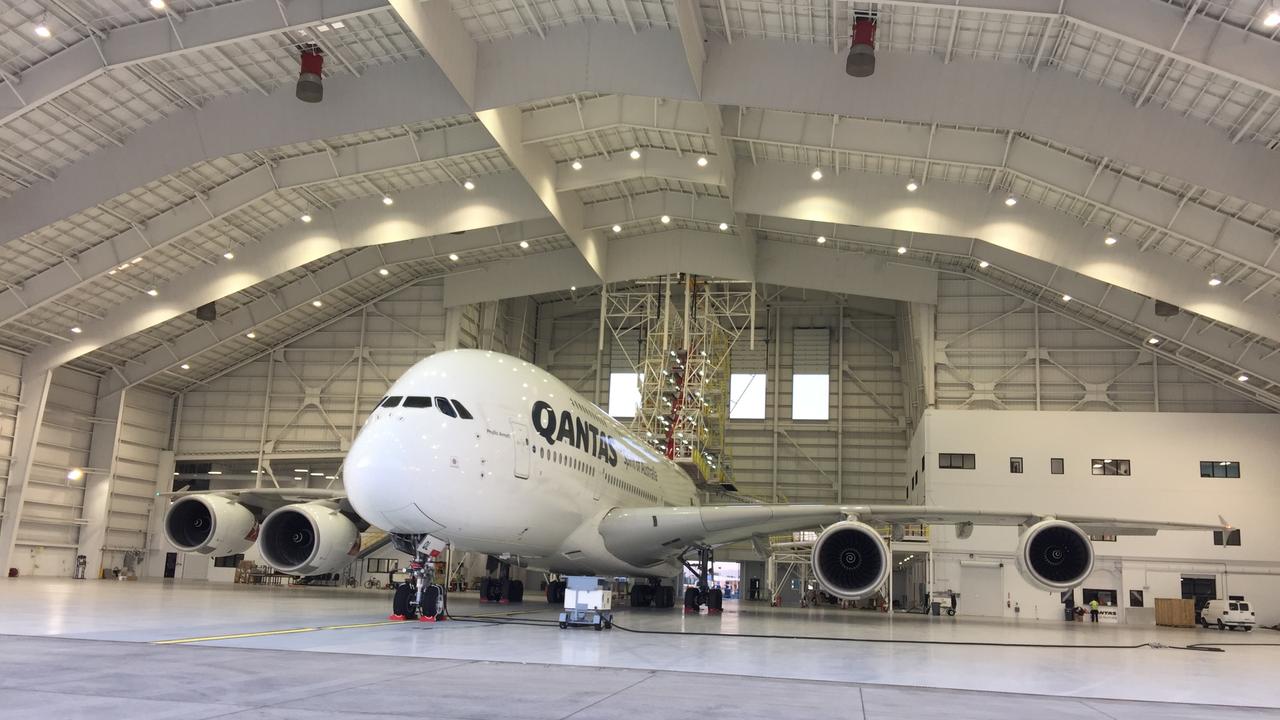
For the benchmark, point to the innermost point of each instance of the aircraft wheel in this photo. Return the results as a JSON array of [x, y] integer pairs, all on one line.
[[402, 602]]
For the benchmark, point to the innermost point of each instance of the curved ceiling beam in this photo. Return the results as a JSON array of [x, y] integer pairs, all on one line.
[[390, 96], [219, 202], [960, 211], [437, 210]]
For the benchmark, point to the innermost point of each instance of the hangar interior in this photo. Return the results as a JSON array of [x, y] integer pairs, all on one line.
[[1030, 262]]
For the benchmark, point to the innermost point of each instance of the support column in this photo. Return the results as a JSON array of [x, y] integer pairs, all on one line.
[[32, 398], [99, 475], [923, 321], [453, 327], [157, 547]]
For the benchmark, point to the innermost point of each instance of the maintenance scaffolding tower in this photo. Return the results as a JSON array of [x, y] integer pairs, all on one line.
[[687, 328]]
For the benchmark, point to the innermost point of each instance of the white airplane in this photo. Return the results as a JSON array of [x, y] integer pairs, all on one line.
[[492, 454]]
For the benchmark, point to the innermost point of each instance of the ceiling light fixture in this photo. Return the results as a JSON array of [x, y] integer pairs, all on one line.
[[902, 249], [1066, 298], [317, 303], [1110, 240], [136, 260], [153, 292], [666, 219], [822, 239], [1011, 201], [524, 244], [912, 185], [1153, 341], [75, 474], [635, 153], [157, 4], [1272, 19], [306, 217], [724, 226], [617, 228], [469, 185], [1215, 280], [816, 174], [185, 366], [702, 161], [453, 257], [229, 255], [573, 288], [251, 335], [1242, 377], [984, 264], [43, 31], [384, 272], [77, 330], [576, 164], [386, 200]]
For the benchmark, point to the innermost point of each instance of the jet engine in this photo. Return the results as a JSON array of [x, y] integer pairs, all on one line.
[[1054, 555], [308, 539], [850, 560], [210, 524]]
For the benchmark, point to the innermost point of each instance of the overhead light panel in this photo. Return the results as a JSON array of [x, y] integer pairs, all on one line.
[[984, 264], [453, 257], [1242, 377], [1110, 240], [157, 4], [468, 184], [136, 260], [635, 153], [77, 330], [386, 200], [1215, 280], [1272, 18], [185, 366], [306, 217], [229, 255], [576, 164], [1153, 341], [153, 292], [666, 219], [912, 185], [524, 244], [1011, 201], [317, 303], [573, 288], [617, 228], [822, 239], [384, 272], [816, 174], [702, 161], [43, 31], [902, 249], [75, 474], [1066, 298], [251, 335], [724, 226]]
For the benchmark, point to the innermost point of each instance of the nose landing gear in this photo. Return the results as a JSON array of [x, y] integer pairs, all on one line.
[[419, 597]]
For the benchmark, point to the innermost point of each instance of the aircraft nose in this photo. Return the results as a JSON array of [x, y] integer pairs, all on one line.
[[385, 482]]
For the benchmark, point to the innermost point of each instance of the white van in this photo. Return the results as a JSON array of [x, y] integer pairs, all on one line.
[[1228, 614]]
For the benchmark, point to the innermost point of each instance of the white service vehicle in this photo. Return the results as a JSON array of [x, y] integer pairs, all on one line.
[[1228, 615]]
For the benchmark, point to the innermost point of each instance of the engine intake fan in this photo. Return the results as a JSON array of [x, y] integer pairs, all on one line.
[[850, 560], [1054, 555]]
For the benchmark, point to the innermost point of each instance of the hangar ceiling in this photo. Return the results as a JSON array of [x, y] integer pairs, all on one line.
[[145, 149]]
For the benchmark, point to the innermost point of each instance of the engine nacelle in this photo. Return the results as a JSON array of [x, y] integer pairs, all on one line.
[[308, 539], [850, 560], [1054, 555], [210, 525]]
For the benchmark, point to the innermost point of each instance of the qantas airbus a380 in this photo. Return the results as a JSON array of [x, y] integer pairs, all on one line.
[[492, 454]]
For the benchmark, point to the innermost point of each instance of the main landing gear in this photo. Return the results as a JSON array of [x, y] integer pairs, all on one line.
[[653, 594], [418, 597], [703, 594], [500, 589]]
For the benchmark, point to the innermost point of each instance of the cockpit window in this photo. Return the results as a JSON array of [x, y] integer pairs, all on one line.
[[444, 406], [417, 402], [462, 412], [391, 401]]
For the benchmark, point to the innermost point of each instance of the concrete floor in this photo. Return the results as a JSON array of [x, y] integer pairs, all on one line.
[[303, 667]]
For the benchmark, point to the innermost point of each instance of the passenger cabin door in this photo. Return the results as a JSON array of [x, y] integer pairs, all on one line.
[[520, 439]]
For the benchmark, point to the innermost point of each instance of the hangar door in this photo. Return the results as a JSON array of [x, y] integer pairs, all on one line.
[[981, 590]]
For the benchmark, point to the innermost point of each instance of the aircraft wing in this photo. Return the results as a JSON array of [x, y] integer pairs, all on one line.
[[264, 500], [645, 535]]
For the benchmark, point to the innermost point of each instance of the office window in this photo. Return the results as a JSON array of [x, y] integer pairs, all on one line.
[[746, 396], [1110, 467], [1219, 468], [810, 397], [381, 565], [1136, 599], [957, 461], [1233, 538], [1056, 466], [1102, 538], [1015, 465], [624, 394]]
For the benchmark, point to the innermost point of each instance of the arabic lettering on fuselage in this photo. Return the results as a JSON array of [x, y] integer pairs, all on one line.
[[566, 428]]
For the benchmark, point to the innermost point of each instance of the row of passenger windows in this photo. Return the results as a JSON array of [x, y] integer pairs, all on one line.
[[621, 484], [565, 460], [452, 408], [1098, 466]]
